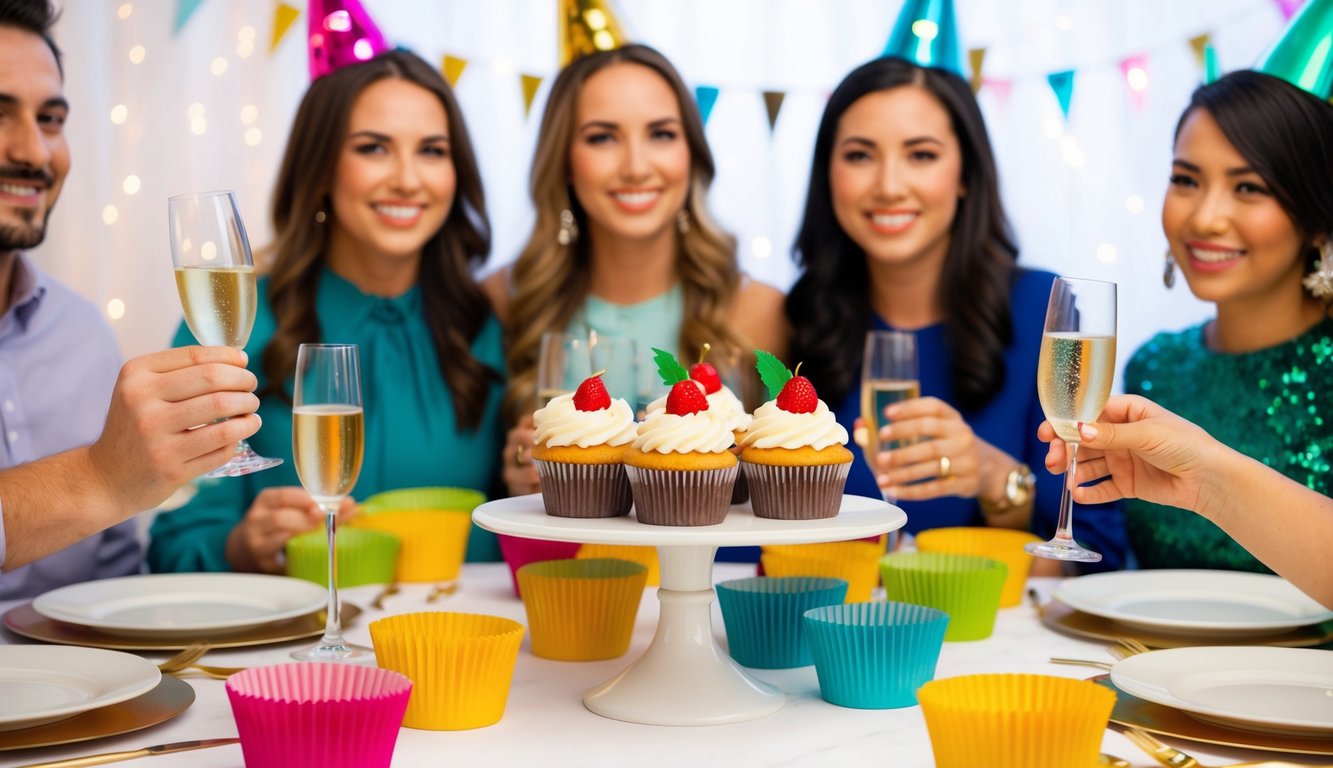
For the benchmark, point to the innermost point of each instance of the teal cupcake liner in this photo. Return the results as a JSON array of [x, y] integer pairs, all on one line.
[[874, 655], [967, 587], [763, 617]]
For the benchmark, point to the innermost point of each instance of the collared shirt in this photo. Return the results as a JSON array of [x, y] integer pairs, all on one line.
[[58, 365]]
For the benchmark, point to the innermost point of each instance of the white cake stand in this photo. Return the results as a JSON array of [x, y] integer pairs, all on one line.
[[685, 678]]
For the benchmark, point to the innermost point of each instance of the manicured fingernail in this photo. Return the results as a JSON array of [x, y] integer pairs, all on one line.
[[259, 419], [245, 357], [892, 411], [1088, 431]]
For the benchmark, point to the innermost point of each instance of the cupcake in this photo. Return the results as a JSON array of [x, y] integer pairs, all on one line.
[[794, 453], [578, 445], [680, 467]]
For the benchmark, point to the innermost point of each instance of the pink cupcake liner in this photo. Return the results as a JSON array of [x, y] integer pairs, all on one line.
[[796, 493], [518, 552], [681, 497], [318, 715], [584, 490]]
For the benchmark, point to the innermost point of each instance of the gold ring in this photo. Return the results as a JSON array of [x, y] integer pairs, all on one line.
[[518, 456], [945, 464]]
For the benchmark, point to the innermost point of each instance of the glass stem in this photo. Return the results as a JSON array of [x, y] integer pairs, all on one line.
[[1064, 529], [333, 632]]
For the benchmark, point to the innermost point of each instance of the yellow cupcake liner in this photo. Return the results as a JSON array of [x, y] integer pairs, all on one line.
[[460, 664], [1003, 544], [364, 556], [437, 497], [966, 587], [581, 610], [856, 562], [434, 541], [645, 556], [1023, 721]]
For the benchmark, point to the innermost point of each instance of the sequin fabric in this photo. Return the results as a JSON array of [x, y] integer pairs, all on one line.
[[1273, 405]]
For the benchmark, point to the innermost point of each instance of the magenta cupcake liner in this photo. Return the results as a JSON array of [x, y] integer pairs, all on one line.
[[796, 493], [518, 552], [570, 489], [318, 715], [681, 497]]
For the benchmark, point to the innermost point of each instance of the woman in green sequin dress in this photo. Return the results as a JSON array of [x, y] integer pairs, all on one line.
[[1247, 212]]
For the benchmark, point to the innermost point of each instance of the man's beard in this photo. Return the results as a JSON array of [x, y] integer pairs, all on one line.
[[21, 238]]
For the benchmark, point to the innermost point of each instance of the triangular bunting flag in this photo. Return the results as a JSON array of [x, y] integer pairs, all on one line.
[[1198, 43], [1063, 85], [706, 95], [773, 103], [184, 10], [1135, 71], [975, 57], [1289, 8], [530, 85], [1000, 90], [1212, 68], [453, 69], [284, 16]]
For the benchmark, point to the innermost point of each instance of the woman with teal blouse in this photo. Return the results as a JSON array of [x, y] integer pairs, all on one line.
[[380, 218]]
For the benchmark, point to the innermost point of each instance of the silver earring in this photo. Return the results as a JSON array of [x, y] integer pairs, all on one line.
[[1320, 282], [569, 228], [1169, 271], [321, 216], [683, 221]]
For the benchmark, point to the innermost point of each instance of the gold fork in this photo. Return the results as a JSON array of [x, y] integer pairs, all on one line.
[[442, 590], [1124, 647], [388, 591], [185, 662], [1174, 758]]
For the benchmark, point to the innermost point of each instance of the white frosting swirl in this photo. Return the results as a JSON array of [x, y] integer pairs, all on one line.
[[561, 424], [724, 403], [701, 432], [775, 428]]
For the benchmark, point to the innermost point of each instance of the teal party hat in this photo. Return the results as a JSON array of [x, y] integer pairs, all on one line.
[[926, 33], [1303, 56]]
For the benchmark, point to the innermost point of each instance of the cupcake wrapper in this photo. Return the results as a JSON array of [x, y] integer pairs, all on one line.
[[740, 493], [518, 552], [364, 557], [685, 498], [856, 562], [645, 556], [460, 664], [763, 618], [464, 499], [1003, 544], [584, 490], [964, 586], [434, 541], [581, 610], [330, 715], [796, 493], [875, 655]]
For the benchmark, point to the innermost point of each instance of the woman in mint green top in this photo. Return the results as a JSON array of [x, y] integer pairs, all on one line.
[[380, 219]]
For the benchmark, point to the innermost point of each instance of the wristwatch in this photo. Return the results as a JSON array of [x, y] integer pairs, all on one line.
[[1018, 486]]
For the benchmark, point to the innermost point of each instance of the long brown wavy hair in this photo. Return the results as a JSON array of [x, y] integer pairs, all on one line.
[[550, 281], [453, 303]]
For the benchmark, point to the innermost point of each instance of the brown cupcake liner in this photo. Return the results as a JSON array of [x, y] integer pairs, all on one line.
[[796, 493], [584, 490], [681, 497], [740, 493]]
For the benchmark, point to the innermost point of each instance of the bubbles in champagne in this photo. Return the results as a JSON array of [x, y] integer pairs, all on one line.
[[1074, 377], [328, 443], [219, 303]]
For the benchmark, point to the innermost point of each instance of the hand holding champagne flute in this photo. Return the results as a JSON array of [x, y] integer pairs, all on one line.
[[215, 276], [888, 376], [328, 439], [1074, 374]]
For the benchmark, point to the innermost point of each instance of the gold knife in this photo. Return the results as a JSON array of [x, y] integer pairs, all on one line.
[[112, 757]]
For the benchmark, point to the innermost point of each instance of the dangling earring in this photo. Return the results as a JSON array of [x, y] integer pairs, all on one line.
[[1320, 282], [321, 216], [569, 228], [1169, 271], [683, 221]]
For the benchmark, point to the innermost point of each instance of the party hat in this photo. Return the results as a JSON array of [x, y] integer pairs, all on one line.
[[1212, 68], [587, 26], [1303, 56], [341, 33], [926, 33]]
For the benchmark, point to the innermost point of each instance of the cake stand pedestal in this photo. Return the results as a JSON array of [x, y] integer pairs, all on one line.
[[685, 678]]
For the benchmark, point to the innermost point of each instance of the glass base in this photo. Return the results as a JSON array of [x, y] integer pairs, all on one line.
[[335, 652], [243, 462], [1063, 549]]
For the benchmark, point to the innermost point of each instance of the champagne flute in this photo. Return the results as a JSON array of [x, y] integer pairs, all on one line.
[[888, 375], [565, 360], [215, 276], [328, 436], [1074, 376]]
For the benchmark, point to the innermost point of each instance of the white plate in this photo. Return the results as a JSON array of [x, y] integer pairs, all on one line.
[[1194, 602], [1278, 690], [181, 604], [43, 683]]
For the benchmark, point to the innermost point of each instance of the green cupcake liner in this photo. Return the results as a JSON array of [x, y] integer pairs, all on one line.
[[966, 587], [364, 557]]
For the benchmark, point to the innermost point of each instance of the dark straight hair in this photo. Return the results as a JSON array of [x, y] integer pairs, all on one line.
[[829, 307], [35, 16]]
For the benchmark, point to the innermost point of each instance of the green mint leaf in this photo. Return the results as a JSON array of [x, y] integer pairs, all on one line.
[[771, 371], [667, 367]]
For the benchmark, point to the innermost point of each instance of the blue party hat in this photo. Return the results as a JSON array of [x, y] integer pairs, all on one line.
[[1303, 56], [926, 33]]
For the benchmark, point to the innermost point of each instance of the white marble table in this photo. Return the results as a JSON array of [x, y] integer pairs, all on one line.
[[546, 724]]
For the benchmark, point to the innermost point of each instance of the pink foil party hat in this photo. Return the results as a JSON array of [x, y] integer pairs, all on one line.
[[341, 32]]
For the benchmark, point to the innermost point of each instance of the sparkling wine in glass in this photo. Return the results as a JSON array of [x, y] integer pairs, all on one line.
[[888, 376], [328, 439], [215, 277], [1074, 376]]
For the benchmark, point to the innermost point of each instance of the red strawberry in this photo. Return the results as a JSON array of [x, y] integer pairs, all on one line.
[[706, 374], [592, 395], [798, 396], [686, 398]]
